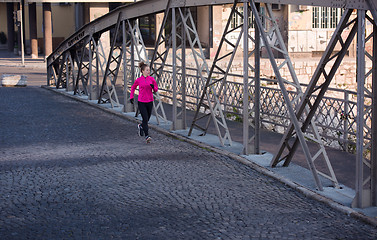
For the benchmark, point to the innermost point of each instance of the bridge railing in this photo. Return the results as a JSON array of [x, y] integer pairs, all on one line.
[[342, 122], [336, 117]]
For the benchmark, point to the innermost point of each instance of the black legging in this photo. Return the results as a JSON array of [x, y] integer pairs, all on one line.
[[146, 112]]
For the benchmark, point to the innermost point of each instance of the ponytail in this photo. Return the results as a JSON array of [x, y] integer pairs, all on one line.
[[142, 66]]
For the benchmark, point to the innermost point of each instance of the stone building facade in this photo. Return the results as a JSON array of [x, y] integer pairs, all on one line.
[[306, 31], [66, 17]]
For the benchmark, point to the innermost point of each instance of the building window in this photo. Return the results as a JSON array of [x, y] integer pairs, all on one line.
[[147, 27], [326, 17], [194, 14], [237, 19]]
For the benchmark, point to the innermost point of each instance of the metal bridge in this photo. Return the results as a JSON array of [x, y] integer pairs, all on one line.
[[81, 64]]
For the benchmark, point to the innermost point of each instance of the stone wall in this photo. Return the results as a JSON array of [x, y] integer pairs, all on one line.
[[345, 77]]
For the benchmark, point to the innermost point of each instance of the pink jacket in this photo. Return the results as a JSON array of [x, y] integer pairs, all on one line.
[[145, 90]]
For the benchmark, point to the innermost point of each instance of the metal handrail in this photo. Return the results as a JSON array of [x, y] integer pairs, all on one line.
[[338, 137]]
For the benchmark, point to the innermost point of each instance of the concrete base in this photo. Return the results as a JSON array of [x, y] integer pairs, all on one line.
[[8, 80]]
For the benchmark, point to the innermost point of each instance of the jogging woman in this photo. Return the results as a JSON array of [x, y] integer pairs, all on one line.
[[147, 85]]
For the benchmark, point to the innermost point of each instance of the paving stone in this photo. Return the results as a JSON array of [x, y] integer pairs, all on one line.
[[71, 171]]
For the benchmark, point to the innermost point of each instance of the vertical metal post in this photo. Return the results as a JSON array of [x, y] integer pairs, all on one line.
[[49, 74], [127, 105], [373, 157], [290, 109], [313, 86], [133, 65], [183, 80], [90, 71], [178, 117], [360, 78], [111, 72], [246, 85], [62, 64], [80, 67], [72, 82], [209, 93], [125, 86], [174, 63], [257, 89], [346, 123], [67, 73], [98, 66]]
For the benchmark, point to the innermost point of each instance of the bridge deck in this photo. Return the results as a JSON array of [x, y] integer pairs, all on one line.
[[70, 170], [341, 160]]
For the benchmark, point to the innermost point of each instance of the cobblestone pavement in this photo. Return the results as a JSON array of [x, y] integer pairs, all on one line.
[[71, 171]]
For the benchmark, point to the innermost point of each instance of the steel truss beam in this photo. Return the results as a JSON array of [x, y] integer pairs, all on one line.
[[89, 53], [51, 75], [373, 155], [137, 45], [66, 69], [257, 96], [305, 105], [365, 168], [83, 49], [251, 99], [83, 68], [372, 7], [273, 40], [186, 23], [66, 72], [158, 63], [366, 186], [210, 96], [108, 88], [163, 42], [249, 105], [178, 41], [146, 7], [70, 73], [97, 61], [128, 72], [62, 80]]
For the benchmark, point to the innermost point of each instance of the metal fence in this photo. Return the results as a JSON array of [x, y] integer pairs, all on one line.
[[335, 118]]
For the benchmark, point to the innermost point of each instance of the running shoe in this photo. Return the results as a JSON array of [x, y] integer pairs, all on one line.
[[148, 139], [140, 131]]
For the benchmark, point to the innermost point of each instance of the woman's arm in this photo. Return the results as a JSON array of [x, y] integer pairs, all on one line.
[[155, 87], [133, 88]]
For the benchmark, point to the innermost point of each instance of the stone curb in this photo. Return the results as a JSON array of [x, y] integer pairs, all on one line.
[[26, 66], [307, 192]]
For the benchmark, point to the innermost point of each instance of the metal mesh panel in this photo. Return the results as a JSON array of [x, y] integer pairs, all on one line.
[[335, 117]]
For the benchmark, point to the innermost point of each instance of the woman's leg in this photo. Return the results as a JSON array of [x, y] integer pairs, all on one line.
[[149, 109], [145, 116]]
